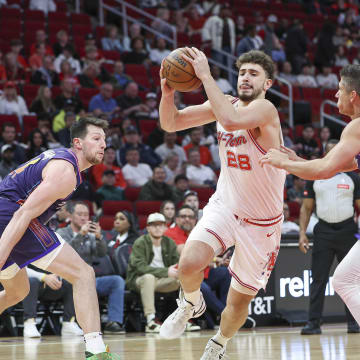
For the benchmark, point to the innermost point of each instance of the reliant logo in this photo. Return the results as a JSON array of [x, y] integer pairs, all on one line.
[[297, 286]]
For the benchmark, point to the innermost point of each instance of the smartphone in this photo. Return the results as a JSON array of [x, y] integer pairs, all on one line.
[[95, 219]]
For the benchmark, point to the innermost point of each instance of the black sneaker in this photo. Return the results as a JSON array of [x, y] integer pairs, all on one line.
[[114, 328], [311, 328], [353, 328]]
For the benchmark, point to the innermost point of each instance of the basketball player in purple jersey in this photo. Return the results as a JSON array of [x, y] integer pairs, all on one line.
[[345, 156], [29, 196]]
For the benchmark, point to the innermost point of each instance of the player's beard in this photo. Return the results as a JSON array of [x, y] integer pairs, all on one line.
[[93, 158], [249, 97]]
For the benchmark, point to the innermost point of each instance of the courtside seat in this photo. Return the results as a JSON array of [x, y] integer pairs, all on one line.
[[111, 207]]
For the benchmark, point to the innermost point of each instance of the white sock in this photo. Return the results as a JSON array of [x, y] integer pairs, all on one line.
[[94, 343], [220, 338], [192, 297], [150, 317]]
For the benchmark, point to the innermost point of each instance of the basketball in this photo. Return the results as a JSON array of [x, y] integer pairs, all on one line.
[[179, 73]]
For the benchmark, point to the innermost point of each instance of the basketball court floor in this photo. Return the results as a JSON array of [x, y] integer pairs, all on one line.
[[280, 343]]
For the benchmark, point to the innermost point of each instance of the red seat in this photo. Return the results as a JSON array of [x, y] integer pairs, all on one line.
[[311, 93], [29, 124], [81, 29], [196, 40], [330, 94], [142, 221], [30, 92], [203, 193], [61, 6], [111, 55], [111, 207], [146, 127], [34, 15], [33, 26], [294, 208], [132, 193], [86, 94], [183, 39], [55, 27], [154, 73], [147, 207], [139, 74], [80, 19], [10, 13], [193, 97], [106, 222]]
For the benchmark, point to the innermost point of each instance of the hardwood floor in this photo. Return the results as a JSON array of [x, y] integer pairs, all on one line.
[[280, 343]]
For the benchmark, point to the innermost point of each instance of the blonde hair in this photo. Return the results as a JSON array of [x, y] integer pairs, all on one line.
[[46, 103]]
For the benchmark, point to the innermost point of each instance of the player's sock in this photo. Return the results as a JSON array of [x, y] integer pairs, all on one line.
[[150, 317], [220, 338], [192, 297], [94, 343]]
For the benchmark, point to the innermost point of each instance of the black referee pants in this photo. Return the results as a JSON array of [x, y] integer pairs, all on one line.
[[330, 240]]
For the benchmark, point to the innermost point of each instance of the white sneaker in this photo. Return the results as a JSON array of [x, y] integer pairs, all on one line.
[[175, 324], [192, 327], [30, 329], [71, 328], [152, 327], [213, 351]]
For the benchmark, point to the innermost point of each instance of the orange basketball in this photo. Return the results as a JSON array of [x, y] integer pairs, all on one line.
[[179, 73]]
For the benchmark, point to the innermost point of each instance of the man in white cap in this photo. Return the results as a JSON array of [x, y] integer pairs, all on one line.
[[153, 267]]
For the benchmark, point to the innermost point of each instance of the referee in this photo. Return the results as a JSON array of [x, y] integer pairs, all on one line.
[[334, 235]]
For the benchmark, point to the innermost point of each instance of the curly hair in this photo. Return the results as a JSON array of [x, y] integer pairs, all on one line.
[[260, 58]]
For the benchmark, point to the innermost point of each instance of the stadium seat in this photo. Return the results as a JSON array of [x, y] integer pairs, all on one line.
[[9, 13], [12, 119], [111, 55], [34, 15], [311, 93], [147, 207], [146, 127], [80, 19], [29, 123], [106, 222], [154, 73], [204, 194], [111, 207], [294, 208], [139, 74], [57, 17], [193, 97], [142, 221], [132, 193], [30, 92]]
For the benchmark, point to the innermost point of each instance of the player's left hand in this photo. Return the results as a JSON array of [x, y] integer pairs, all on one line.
[[275, 158], [199, 62]]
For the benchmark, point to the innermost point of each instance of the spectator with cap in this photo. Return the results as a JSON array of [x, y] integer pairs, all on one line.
[[199, 175], [90, 43], [156, 189], [135, 173], [68, 55], [92, 55], [150, 108], [191, 198], [64, 134], [133, 140], [270, 37], [7, 163], [118, 78], [12, 103], [104, 102], [8, 137], [181, 184], [68, 92], [109, 163], [59, 120], [153, 267], [46, 75], [108, 191]]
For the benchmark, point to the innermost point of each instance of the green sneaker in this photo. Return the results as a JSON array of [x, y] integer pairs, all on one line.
[[102, 356]]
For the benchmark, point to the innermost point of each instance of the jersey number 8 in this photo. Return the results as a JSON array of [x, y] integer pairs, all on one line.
[[241, 162]]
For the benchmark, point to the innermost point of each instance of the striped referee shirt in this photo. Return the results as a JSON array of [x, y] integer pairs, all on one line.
[[334, 197]]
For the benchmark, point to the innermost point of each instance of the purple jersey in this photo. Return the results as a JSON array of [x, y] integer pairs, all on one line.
[[20, 183]]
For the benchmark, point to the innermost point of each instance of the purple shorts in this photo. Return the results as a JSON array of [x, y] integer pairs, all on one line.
[[37, 241]]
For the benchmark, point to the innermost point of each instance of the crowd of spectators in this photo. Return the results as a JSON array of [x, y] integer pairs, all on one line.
[[72, 81]]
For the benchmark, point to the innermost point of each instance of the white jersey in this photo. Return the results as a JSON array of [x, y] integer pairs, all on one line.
[[247, 189]]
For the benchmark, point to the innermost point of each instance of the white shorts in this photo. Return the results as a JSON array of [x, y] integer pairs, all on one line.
[[257, 243], [41, 263]]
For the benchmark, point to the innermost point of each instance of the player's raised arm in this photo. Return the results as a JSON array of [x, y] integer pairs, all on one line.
[[59, 181], [172, 119], [340, 158]]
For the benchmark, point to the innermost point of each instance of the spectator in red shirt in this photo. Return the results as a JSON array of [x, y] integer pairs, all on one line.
[[108, 164], [2, 69], [195, 137], [36, 60], [41, 39]]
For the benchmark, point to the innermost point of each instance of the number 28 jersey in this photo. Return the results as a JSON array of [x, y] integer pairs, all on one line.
[[246, 188]]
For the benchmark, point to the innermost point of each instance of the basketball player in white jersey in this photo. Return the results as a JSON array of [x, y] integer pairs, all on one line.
[[345, 156], [246, 209]]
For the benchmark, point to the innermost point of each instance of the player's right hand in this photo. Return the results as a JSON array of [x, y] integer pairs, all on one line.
[[303, 243]]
